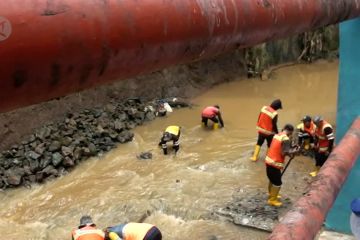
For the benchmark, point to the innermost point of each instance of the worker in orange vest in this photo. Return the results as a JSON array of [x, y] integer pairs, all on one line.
[[274, 161], [306, 133], [266, 126], [87, 230], [213, 113], [133, 231], [324, 143]]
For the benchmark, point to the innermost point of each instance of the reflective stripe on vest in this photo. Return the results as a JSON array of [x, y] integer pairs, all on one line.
[[88, 233], [264, 124], [274, 156], [210, 112], [310, 131], [323, 142], [136, 231], [173, 130]]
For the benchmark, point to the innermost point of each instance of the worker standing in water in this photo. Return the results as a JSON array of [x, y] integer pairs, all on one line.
[[213, 113], [87, 230], [266, 126], [280, 148], [171, 133], [324, 143], [133, 231], [306, 133]]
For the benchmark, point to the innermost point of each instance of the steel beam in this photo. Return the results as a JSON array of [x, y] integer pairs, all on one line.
[[50, 48]]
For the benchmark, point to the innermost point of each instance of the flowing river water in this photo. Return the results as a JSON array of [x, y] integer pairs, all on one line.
[[178, 193]]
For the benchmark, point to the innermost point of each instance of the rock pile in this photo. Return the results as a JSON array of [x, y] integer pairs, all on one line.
[[56, 148]]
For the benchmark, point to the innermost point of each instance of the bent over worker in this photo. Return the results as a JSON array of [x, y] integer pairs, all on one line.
[[213, 113], [133, 231], [324, 142], [87, 230], [171, 133], [266, 126], [275, 158], [306, 133]]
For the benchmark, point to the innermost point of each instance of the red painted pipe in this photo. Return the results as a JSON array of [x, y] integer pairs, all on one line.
[[50, 48], [305, 219]]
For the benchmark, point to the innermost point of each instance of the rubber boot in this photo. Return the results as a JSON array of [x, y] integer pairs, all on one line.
[[216, 126], [307, 144], [254, 158], [203, 124], [314, 173], [114, 236], [273, 200], [269, 190]]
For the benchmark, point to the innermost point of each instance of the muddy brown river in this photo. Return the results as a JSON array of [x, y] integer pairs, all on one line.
[[178, 193]]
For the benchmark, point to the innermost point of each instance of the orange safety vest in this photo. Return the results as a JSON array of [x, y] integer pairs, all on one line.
[[274, 157], [136, 231], [264, 124], [311, 130], [88, 233], [210, 112], [323, 141]]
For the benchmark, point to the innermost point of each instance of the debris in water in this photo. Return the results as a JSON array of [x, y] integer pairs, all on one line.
[[145, 156], [249, 208]]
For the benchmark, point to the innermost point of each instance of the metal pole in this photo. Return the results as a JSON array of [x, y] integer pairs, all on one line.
[[53, 48]]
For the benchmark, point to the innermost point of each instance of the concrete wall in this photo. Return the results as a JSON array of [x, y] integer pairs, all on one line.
[[348, 110]]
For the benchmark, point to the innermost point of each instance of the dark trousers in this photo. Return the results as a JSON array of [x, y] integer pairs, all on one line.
[[320, 158], [262, 138], [274, 175], [153, 234], [205, 120]]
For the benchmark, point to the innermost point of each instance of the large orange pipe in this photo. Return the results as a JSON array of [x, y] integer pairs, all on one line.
[[50, 48], [306, 217]]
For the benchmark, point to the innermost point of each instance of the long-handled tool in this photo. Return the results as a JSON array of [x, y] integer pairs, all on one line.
[[287, 165]]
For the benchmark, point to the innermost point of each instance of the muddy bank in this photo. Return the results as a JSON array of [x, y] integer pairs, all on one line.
[[187, 80], [183, 81], [56, 148]]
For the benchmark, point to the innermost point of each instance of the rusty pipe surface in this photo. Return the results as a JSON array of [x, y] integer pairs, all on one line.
[[50, 48], [306, 217]]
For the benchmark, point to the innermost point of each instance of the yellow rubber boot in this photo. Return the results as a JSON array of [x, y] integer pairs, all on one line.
[[216, 126], [306, 144], [314, 173], [114, 236], [255, 156], [273, 200], [269, 190]]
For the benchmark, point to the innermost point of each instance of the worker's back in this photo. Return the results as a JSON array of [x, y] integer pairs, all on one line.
[[136, 231]]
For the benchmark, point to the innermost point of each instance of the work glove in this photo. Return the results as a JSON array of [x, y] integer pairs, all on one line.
[[295, 150]]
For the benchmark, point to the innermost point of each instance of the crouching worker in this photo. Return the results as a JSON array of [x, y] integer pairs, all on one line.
[[172, 133], [212, 113], [275, 158], [306, 133], [133, 231], [87, 230]]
